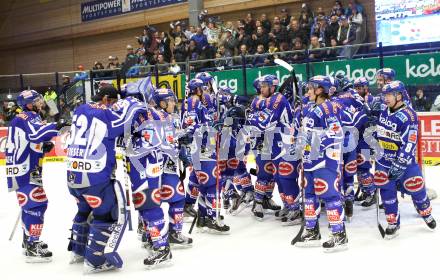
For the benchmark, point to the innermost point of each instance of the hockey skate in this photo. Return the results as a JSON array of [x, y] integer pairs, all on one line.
[[140, 229], [23, 245], [269, 204], [281, 213], [147, 243], [35, 253], [215, 227], [160, 257], [360, 198], [369, 201], [90, 268], [178, 240], [292, 218], [338, 242], [75, 258], [310, 238], [348, 209], [430, 222], [257, 210], [189, 213], [241, 203], [392, 231]]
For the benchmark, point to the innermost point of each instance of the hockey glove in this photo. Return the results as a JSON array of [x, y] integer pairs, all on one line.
[[236, 112], [62, 123], [185, 139], [47, 146], [397, 169]]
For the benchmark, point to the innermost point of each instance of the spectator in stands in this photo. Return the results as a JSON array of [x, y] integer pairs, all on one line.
[[358, 22], [260, 59], [164, 46], [295, 32], [230, 43], [50, 94], [66, 83], [284, 47], [200, 39], [65, 112], [334, 51], [154, 44], [278, 34], [260, 38], [12, 111], [179, 50], [338, 9], [174, 67], [285, 17], [221, 56], [333, 27], [98, 68], [111, 63], [346, 36], [420, 102], [324, 32], [243, 38], [243, 51], [314, 48], [306, 18], [300, 47], [192, 50], [249, 25], [272, 47], [190, 32], [319, 13], [212, 33], [162, 66], [353, 5], [267, 25]]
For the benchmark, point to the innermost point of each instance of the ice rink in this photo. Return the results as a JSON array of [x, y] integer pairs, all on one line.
[[253, 250]]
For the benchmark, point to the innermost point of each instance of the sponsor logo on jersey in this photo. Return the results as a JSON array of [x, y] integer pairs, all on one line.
[[388, 123], [270, 168], [367, 181], [333, 216], [22, 199], [380, 178], [214, 204], [93, 201], [38, 195], [425, 212], [156, 196], [260, 187], [195, 192], [320, 186], [245, 181], [412, 136], [178, 218], [166, 192], [222, 164], [139, 199], [289, 199], [154, 232], [391, 219], [215, 173], [35, 229], [401, 116], [310, 211], [351, 167], [360, 159], [180, 189], [414, 184], [233, 163], [285, 168], [388, 145]]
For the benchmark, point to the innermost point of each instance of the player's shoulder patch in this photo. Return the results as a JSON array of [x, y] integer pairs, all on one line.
[[318, 111], [402, 117], [23, 116]]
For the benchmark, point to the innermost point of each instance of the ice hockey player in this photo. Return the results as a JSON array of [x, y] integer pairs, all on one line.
[[275, 161], [207, 100], [28, 139], [397, 131], [353, 118], [90, 176], [322, 161], [367, 197], [171, 189], [198, 120]]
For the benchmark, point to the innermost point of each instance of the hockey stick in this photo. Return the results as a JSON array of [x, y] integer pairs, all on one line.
[[126, 183], [290, 68], [379, 226], [14, 229]]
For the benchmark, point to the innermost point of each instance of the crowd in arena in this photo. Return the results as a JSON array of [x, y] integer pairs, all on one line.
[[222, 41]]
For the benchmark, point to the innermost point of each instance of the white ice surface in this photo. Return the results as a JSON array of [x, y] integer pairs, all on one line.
[[253, 250]]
